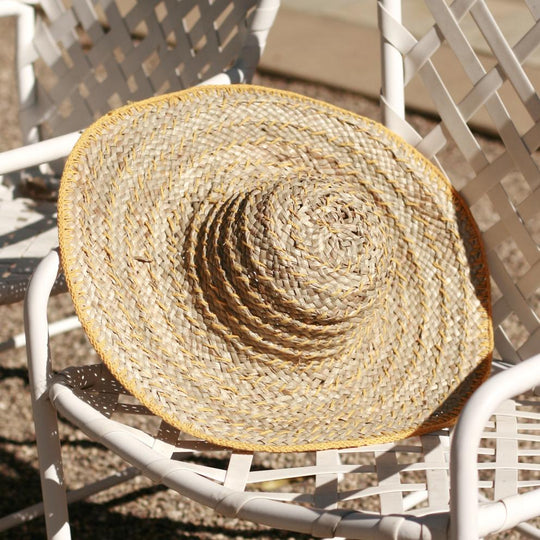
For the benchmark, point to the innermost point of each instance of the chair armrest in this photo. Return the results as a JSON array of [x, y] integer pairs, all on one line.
[[37, 153], [14, 8], [36, 324], [466, 441]]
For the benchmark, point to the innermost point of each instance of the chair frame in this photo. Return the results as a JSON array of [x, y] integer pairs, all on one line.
[[38, 153], [162, 461]]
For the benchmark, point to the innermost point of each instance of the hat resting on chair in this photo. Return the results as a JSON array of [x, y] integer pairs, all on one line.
[[269, 272]]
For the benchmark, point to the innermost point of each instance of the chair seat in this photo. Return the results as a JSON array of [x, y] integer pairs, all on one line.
[[27, 233], [326, 493]]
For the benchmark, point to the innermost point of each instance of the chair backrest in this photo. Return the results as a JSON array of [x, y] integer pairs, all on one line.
[[96, 55], [76, 60], [465, 43]]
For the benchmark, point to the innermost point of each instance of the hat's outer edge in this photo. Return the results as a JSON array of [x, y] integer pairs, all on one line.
[[481, 373]]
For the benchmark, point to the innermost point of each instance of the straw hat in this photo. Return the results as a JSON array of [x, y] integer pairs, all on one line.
[[269, 272]]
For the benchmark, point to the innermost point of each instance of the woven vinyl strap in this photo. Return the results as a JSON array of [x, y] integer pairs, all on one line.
[[269, 272], [500, 186], [98, 55]]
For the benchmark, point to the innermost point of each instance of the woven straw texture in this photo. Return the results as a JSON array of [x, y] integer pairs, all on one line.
[[268, 272]]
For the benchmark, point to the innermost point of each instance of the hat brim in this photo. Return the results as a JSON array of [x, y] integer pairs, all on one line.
[[141, 193]]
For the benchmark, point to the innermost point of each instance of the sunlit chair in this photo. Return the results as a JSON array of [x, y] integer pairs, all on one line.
[[72, 65], [481, 480]]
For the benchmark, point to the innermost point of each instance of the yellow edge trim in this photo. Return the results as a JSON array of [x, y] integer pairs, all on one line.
[[65, 228]]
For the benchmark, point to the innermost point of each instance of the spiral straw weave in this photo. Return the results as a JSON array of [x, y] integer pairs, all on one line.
[[269, 272]]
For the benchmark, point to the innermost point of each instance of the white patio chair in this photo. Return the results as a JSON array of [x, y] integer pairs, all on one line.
[[480, 481], [73, 65]]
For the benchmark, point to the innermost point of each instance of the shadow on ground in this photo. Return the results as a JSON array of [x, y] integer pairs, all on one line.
[[101, 520]]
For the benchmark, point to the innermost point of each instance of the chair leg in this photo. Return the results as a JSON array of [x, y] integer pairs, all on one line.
[[51, 472], [45, 418]]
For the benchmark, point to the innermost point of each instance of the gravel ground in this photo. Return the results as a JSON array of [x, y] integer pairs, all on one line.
[[138, 509]]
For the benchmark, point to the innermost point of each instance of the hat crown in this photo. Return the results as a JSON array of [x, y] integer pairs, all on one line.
[[293, 258]]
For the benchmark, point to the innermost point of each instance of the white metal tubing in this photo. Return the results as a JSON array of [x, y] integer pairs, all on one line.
[[45, 420], [36, 324], [60, 147], [13, 8], [392, 79], [254, 45], [90, 420], [37, 153], [222, 78], [253, 48], [55, 328], [25, 54], [256, 40], [245, 505], [508, 512], [175, 475], [530, 531], [466, 440]]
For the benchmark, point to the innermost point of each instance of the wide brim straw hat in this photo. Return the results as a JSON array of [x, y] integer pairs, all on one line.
[[268, 272]]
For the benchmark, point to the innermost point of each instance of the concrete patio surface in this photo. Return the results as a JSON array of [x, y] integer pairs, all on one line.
[[336, 43]]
